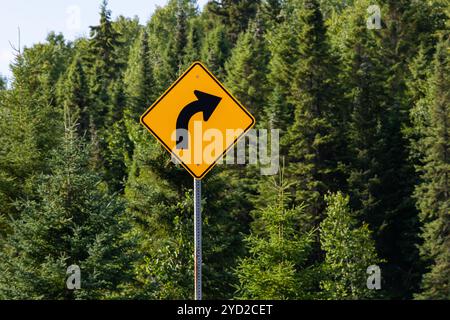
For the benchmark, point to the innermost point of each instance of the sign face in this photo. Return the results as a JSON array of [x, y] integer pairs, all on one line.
[[197, 120]]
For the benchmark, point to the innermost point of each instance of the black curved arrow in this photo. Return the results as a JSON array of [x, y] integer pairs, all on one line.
[[205, 103]]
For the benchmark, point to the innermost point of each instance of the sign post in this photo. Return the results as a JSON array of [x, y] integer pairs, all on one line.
[[198, 238], [195, 108]]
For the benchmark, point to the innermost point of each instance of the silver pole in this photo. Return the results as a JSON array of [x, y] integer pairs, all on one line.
[[198, 239]]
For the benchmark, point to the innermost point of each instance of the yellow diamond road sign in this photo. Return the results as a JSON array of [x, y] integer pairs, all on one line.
[[197, 120]]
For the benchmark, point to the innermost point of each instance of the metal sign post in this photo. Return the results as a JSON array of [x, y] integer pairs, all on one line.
[[198, 239]]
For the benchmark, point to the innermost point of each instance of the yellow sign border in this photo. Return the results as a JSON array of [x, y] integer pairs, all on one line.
[[226, 91]]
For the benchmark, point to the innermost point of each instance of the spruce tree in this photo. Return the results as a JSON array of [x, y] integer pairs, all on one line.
[[247, 69], [119, 147], [283, 43], [432, 194], [104, 67], [3, 82], [168, 37], [215, 51], [28, 127], [20, 157], [74, 94], [381, 177], [276, 266], [234, 15], [271, 10], [314, 139], [138, 80], [349, 251], [194, 41], [72, 220]]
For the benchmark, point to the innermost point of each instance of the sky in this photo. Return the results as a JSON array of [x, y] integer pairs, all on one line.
[[71, 17]]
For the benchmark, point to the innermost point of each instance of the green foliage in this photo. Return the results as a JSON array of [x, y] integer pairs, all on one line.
[[73, 220], [247, 69], [3, 82], [276, 265], [358, 110], [283, 46], [28, 123], [168, 31], [349, 251], [314, 138], [216, 50], [74, 94], [432, 194], [234, 15], [159, 211], [138, 78]]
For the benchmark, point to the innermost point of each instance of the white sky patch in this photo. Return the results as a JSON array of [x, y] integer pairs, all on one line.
[[6, 57], [71, 17]]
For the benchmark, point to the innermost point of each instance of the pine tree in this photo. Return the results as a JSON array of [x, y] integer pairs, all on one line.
[[119, 146], [247, 69], [247, 80], [104, 67], [234, 15], [276, 266], [20, 156], [74, 94], [314, 139], [349, 251], [168, 37], [138, 80], [271, 10], [363, 79], [27, 127], [72, 220], [215, 51], [417, 87], [283, 43], [432, 194], [194, 41], [3, 82], [381, 177], [181, 35], [128, 31]]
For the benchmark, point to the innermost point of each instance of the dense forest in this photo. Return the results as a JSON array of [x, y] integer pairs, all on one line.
[[364, 179]]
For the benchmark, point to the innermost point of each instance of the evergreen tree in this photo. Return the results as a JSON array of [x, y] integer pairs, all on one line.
[[73, 220], [128, 31], [27, 128], [247, 69], [168, 37], [271, 10], [140, 93], [247, 80], [104, 67], [215, 51], [194, 41], [349, 251], [181, 35], [283, 42], [380, 178], [3, 83], [118, 142], [417, 87], [74, 94], [20, 156], [276, 265], [138, 80], [432, 194], [314, 139], [234, 15]]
